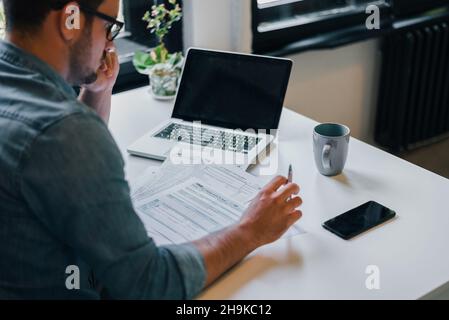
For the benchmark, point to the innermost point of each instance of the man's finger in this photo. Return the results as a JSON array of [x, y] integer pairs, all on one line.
[[113, 62], [109, 64], [112, 48], [293, 203], [294, 217], [289, 190], [275, 184], [103, 66], [112, 53], [109, 60], [116, 63]]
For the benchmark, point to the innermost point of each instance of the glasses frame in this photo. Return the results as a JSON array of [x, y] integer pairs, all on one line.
[[112, 20]]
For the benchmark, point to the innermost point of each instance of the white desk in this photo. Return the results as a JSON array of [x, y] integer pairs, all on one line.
[[412, 252]]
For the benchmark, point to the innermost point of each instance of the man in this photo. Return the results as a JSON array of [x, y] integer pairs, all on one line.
[[64, 200]]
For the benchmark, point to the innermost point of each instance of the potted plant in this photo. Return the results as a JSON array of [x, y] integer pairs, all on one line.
[[163, 68]]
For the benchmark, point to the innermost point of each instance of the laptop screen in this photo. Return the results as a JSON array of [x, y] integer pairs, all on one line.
[[234, 91]]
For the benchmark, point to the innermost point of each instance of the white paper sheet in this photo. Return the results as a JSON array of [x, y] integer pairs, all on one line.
[[181, 203]]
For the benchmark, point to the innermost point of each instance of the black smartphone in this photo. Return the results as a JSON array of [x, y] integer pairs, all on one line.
[[358, 220]]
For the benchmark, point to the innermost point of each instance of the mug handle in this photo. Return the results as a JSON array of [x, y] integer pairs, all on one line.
[[325, 158]]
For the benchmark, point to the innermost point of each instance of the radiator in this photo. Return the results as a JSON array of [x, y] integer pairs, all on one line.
[[413, 100]]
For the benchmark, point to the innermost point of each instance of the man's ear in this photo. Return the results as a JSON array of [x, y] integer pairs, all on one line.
[[70, 21]]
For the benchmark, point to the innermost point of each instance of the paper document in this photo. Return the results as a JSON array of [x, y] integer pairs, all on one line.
[[181, 203]]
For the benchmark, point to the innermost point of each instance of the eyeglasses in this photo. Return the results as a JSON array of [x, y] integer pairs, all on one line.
[[113, 30]]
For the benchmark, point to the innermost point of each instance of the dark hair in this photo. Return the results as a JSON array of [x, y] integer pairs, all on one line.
[[26, 15]]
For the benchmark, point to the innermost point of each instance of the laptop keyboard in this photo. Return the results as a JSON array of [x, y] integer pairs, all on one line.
[[209, 138]]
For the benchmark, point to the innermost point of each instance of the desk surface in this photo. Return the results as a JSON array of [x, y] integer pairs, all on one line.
[[411, 251]]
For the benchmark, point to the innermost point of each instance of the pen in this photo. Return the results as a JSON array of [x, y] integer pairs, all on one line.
[[290, 174], [290, 177]]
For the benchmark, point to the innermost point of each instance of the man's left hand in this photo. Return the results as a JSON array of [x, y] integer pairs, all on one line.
[[106, 75], [97, 95]]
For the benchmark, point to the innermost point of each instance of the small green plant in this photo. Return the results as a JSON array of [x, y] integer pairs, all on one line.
[[160, 20]]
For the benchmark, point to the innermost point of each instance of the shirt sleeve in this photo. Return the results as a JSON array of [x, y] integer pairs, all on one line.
[[72, 179]]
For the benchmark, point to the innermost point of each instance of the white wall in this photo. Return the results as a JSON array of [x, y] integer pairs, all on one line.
[[328, 85], [218, 24], [338, 86]]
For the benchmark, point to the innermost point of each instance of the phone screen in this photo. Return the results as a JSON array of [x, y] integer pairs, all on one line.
[[358, 220]]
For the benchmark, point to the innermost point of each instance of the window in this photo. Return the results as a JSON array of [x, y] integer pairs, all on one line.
[[279, 14], [135, 36], [280, 22], [407, 7], [292, 25]]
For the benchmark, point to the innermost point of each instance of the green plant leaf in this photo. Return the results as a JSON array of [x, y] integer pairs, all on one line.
[[142, 61], [160, 20], [175, 58]]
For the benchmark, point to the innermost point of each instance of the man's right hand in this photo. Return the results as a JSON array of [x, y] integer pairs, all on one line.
[[272, 212], [269, 216]]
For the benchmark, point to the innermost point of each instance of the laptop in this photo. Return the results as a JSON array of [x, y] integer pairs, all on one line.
[[227, 106]]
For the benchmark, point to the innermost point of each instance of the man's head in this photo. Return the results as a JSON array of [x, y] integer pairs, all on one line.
[[75, 39]]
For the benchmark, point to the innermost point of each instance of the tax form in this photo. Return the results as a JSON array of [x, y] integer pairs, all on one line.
[[182, 203]]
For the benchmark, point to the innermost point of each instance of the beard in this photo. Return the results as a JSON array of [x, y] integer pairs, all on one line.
[[80, 72]]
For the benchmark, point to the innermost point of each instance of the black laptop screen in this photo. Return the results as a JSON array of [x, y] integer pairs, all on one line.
[[233, 91]]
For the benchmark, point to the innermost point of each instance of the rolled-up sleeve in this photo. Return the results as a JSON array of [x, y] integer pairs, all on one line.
[[72, 179], [191, 264]]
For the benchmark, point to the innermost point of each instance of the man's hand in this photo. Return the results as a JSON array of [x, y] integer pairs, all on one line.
[[98, 94], [107, 73], [269, 216], [272, 212]]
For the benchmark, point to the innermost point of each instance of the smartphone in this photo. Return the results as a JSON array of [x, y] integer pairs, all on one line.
[[358, 220]]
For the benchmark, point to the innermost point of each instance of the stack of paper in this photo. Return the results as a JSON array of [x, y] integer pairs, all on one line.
[[182, 203]]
